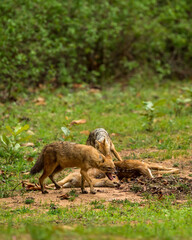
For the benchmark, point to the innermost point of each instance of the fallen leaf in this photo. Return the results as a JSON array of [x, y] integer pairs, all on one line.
[[42, 86], [30, 132], [64, 196], [114, 134], [85, 132], [5, 116], [63, 227], [21, 101], [30, 159], [80, 121], [77, 85], [29, 144], [31, 186], [26, 173], [39, 101], [94, 90], [14, 237], [60, 95]]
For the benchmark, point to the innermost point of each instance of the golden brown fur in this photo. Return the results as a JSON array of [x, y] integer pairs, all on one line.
[[98, 179], [135, 168], [124, 169], [59, 155]]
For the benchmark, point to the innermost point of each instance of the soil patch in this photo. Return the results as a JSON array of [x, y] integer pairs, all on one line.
[[134, 190], [180, 187]]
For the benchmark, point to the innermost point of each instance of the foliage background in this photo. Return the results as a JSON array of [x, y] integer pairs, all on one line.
[[59, 42]]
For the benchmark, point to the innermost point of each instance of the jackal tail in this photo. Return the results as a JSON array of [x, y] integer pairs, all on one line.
[[38, 165]]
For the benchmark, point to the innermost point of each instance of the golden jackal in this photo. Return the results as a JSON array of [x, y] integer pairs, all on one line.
[[59, 155], [99, 138], [98, 179], [135, 168]]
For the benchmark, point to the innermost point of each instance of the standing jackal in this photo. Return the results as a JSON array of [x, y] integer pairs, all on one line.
[[59, 155], [99, 139]]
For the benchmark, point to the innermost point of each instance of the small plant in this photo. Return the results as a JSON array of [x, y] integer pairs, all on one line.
[[97, 204], [11, 143], [73, 194], [150, 112], [29, 200], [176, 164], [53, 209], [179, 105]]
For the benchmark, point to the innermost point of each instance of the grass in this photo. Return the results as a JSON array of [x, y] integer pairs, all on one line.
[[117, 109], [117, 220]]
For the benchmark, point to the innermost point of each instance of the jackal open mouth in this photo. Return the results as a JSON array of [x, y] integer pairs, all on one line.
[[109, 175]]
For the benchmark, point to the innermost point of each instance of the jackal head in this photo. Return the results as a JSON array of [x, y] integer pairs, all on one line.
[[106, 165], [103, 147]]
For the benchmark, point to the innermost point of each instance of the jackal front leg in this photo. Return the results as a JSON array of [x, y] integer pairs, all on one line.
[[116, 154], [87, 178]]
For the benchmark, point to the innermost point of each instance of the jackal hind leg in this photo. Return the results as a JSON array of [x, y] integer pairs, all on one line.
[[48, 170], [86, 177], [146, 172], [57, 169]]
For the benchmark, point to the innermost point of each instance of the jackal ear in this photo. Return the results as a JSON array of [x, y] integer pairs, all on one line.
[[102, 159], [104, 142]]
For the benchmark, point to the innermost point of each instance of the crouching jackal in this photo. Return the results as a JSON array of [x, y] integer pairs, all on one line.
[[59, 155], [99, 139]]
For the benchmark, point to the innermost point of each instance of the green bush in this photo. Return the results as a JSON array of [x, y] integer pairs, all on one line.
[[59, 42]]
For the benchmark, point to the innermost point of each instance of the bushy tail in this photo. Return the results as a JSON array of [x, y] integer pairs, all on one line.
[[38, 165]]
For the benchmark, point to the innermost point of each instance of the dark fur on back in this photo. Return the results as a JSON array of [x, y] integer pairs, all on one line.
[[98, 134]]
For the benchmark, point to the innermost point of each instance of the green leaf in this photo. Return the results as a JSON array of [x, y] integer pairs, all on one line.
[[16, 147], [160, 114], [10, 130], [5, 140], [149, 105], [21, 129], [24, 139], [159, 102], [66, 131]]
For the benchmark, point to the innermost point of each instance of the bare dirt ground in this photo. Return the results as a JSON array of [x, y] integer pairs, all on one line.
[[134, 190]]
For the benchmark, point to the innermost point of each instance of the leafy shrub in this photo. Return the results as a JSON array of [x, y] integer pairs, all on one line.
[[151, 111], [60, 42], [11, 143]]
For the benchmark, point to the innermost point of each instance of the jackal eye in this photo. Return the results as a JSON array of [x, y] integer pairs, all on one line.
[[101, 158]]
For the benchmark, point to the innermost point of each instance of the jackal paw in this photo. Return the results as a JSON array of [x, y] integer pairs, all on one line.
[[84, 192], [116, 184], [57, 186], [93, 191], [45, 192]]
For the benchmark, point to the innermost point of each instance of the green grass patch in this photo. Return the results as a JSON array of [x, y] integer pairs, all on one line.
[[120, 112], [153, 219]]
